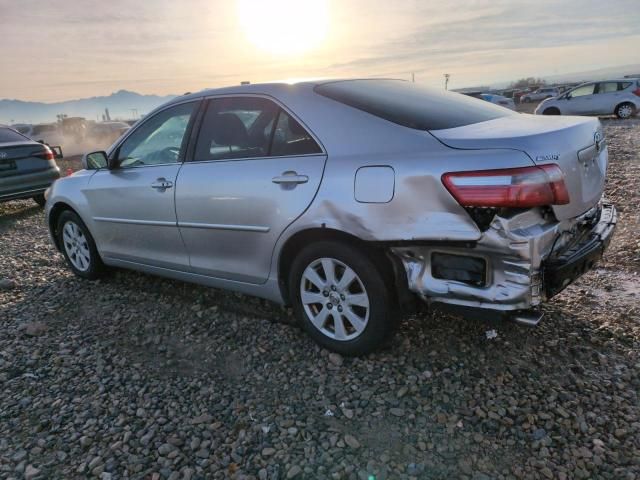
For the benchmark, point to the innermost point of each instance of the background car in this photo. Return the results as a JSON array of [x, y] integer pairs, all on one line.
[[27, 167], [610, 97], [540, 94], [49, 133], [499, 100], [347, 200]]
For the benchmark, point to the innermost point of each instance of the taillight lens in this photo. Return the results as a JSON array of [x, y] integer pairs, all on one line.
[[45, 153], [510, 187], [637, 92]]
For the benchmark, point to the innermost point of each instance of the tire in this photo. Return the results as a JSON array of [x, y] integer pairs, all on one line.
[[625, 110], [78, 246], [39, 199], [371, 312], [551, 111]]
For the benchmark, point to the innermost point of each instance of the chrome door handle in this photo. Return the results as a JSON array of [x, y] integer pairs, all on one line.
[[290, 177], [162, 184]]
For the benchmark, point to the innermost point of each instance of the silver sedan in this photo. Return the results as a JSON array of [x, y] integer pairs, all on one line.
[[346, 200]]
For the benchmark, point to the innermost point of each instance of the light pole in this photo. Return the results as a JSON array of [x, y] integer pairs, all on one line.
[[446, 81]]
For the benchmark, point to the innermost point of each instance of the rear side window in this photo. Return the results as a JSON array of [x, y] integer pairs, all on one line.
[[624, 85], [290, 138], [250, 127], [411, 105], [8, 135]]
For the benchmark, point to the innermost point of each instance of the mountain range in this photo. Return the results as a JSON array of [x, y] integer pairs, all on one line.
[[122, 105]]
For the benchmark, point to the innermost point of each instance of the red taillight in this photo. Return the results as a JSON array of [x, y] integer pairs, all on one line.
[[637, 92], [45, 154], [510, 187]]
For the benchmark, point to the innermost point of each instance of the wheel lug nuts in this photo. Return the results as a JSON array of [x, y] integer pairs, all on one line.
[[325, 293], [339, 308], [333, 287], [341, 297], [329, 306]]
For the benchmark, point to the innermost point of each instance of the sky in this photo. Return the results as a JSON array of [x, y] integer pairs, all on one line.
[[55, 50]]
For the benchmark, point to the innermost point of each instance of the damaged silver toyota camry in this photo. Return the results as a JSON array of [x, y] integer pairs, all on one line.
[[346, 200]]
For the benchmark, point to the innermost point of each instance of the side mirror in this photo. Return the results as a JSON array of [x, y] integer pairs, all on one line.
[[95, 160]]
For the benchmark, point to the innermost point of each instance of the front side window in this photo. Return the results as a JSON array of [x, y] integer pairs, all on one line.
[[582, 91], [608, 87], [159, 139]]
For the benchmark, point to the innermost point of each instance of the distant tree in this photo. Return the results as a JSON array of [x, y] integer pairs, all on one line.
[[526, 82]]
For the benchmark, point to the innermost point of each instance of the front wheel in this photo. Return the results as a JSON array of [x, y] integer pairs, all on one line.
[[78, 246], [341, 298], [625, 110]]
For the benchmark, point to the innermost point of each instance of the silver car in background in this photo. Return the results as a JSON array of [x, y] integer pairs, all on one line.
[[612, 97], [347, 200]]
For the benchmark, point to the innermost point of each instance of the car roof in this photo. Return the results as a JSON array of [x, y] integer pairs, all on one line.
[[267, 88]]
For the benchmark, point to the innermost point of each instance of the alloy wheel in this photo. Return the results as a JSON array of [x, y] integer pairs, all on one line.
[[625, 111], [334, 299], [76, 246]]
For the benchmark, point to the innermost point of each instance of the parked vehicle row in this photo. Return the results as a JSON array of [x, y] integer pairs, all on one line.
[[346, 200]]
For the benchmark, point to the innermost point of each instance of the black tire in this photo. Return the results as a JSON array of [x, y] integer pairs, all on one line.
[[380, 325], [624, 107], [39, 199], [95, 268], [551, 111]]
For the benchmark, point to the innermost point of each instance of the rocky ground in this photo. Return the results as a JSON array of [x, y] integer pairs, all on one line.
[[139, 377]]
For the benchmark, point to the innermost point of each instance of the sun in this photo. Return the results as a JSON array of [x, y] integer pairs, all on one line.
[[284, 27]]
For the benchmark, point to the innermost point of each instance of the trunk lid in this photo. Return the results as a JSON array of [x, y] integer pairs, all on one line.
[[17, 158], [575, 144]]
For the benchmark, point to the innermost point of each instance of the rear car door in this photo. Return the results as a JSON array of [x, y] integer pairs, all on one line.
[[254, 170], [605, 98], [133, 206], [581, 100]]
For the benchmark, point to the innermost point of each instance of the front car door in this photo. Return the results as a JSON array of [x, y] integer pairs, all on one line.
[[580, 100], [133, 205], [254, 170]]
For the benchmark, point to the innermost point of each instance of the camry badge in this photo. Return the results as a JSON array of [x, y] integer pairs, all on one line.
[[546, 158]]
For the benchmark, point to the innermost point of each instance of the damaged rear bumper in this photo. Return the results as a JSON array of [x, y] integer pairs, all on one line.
[[528, 258]]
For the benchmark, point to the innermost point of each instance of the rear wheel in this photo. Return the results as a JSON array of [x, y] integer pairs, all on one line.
[[551, 111], [39, 199], [78, 246], [625, 110], [341, 298]]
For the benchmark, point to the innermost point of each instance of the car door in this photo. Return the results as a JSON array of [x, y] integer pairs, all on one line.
[[254, 170], [581, 100], [133, 205], [606, 98]]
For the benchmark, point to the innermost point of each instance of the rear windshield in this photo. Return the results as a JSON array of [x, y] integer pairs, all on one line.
[[8, 135], [411, 105]]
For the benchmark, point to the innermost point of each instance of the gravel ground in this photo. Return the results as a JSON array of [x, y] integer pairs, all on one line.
[[140, 377]]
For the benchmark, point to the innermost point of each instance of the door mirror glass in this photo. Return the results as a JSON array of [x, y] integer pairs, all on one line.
[[95, 161]]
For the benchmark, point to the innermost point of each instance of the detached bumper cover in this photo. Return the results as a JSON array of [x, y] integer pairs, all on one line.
[[561, 270]]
